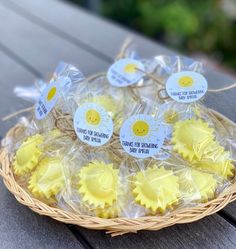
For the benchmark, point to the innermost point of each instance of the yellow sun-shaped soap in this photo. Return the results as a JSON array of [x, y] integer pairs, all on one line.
[[216, 160], [130, 68], [191, 138], [185, 81], [48, 178], [197, 111], [156, 189], [28, 154], [108, 212], [221, 167], [98, 184], [171, 116], [140, 128], [54, 133], [112, 106], [198, 185], [93, 117]]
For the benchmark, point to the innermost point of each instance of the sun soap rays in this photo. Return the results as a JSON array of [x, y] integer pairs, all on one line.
[[195, 141]]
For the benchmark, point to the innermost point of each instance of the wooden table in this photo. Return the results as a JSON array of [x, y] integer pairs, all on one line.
[[34, 36]]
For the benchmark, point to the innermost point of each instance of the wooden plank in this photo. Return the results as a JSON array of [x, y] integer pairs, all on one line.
[[20, 227], [223, 102], [11, 75], [230, 212], [209, 233], [40, 48], [96, 33]]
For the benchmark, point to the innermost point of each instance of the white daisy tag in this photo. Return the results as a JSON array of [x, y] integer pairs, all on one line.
[[92, 124], [47, 100], [50, 95], [186, 86], [142, 136]]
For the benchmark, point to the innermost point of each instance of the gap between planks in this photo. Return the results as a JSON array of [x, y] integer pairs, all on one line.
[[79, 236], [20, 61], [56, 31]]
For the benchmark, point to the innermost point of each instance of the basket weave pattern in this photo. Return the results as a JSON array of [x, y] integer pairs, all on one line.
[[115, 226]]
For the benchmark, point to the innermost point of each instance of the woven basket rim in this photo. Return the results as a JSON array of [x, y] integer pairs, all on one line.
[[115, 226]]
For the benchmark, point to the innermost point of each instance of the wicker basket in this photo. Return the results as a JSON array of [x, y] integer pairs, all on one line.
[[116, 226]]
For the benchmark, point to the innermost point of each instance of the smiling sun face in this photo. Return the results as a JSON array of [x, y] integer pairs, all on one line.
[[185, 81], [130, 68], [51, 93], [140, 128], [93, 117]]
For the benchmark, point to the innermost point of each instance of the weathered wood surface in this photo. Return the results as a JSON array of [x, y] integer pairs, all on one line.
[[35, 35], [20, 227]]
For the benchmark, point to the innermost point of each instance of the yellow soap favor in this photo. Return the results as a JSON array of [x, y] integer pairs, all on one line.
[[217, 160], [171, 116], [48, 178], [28, 154], [98, 184], [191, 138], [198, 185], [112, 106], [108, 103], [54, 133], [222, 166], [195, 141], [156, 189], [108, 212]]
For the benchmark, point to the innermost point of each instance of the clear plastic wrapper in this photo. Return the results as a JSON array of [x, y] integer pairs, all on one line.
[[112, 99], [67, 78], [95, 185], [184, 155], [38, 162], [168, 65]]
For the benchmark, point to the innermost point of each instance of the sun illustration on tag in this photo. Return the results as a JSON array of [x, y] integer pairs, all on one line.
[[186, 86], [185, 81], [51, 93], [92, 124], [93, 117], [140, 128], [142, 135], [130, 68]]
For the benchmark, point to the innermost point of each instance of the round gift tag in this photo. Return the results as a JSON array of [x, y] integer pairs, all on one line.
[[125, 72], [47, 100], [141, 136], [186, 86], [92, 124]]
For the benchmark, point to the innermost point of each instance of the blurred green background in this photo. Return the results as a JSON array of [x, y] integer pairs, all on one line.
[[205, 27]]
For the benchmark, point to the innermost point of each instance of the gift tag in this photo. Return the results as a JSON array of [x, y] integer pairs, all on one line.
[[92, 124], [142, 136], [186, 86], [125, 72], [47, 100]]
